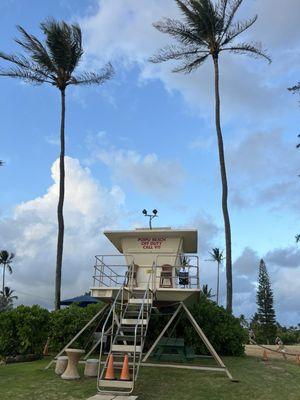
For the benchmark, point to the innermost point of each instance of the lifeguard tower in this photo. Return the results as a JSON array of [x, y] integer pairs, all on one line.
[[151, 269], [161, 260]]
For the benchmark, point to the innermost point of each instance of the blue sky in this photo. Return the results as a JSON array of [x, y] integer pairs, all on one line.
[[146, 139]]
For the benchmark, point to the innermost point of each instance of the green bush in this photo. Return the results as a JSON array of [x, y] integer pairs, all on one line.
[[65, 323], [23, 330], [221, 328], [290, 337]]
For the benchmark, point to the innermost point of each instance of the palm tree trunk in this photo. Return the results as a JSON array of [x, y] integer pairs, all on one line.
[[3, 278], [218, 283], [224, 188], [60, 217]]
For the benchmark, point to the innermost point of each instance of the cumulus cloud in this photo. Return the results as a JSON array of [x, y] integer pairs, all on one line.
[[246, 85], [260, 174], [148, 174], [287, 257], [32, 231], [246, 264]]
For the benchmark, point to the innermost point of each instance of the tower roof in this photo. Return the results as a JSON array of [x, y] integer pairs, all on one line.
[[189, 236]]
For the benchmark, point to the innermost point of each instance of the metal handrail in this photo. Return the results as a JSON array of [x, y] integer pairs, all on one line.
[[141, 317], [112, 310]]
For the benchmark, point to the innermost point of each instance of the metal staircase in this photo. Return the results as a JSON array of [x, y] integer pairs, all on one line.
[[128, 318]]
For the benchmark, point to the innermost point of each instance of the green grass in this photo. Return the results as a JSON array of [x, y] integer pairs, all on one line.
[[276, 380]]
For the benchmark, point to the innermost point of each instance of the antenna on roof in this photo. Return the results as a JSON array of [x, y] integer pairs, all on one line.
[[150, 216]]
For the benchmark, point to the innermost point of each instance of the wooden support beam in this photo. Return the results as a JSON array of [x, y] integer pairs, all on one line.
[[162, 333], [207, 342], [183, 366]]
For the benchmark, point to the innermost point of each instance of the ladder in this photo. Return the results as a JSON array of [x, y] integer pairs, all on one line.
[[129, 323]]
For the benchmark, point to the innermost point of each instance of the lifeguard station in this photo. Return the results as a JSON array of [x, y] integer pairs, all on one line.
[[151, 269], [154, 267]]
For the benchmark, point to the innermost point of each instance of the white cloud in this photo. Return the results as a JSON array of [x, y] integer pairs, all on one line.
[[31, 233], [263, 167], [148, 173], [247, 86]]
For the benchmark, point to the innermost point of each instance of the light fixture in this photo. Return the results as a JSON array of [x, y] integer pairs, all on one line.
[[150, 216]]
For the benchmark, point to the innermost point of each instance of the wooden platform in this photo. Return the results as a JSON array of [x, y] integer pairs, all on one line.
[[162, 295]]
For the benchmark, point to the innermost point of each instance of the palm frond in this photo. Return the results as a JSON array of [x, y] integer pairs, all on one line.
[[179, 31], [201, 18], [231, 8], [9, 268], [26, 64], [191, 65], [36, 50], [254, 49], [176, 53], [91, 78], [295, 88], [238, 28], [5, 256], [65, 45], [221, 8], [207, 12], [24, 75]]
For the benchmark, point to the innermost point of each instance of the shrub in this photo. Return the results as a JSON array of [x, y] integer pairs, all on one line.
[[65, 323], [221, 328], [23, 330]]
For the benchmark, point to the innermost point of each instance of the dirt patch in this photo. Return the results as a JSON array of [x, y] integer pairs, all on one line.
[[257, 351]]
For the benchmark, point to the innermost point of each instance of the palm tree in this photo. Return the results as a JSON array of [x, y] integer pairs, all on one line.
[[5, 260], [8, 293], [6, 299], [207, 30], [297, 237], [54, 62], [218, 257], [207, 292]]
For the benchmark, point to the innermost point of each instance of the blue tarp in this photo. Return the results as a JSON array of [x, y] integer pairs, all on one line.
[[82, 301]]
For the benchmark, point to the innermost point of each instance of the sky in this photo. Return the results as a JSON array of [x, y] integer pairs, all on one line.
[[146, 139]]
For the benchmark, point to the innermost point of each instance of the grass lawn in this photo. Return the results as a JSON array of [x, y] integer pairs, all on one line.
[[276, 380]]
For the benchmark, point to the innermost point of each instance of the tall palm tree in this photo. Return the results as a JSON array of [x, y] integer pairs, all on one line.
[[207, 30], [5, 260], [54, 62], [217, 256]]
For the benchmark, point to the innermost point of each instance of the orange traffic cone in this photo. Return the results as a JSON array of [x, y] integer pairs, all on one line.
[[265, 356], [125, 370], [110, 372]]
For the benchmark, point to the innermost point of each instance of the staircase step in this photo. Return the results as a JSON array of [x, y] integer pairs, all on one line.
[[139, 301], [125, 348], [116, 384], [130, 321]]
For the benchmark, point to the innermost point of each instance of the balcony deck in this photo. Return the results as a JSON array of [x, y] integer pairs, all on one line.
[[179, 284]]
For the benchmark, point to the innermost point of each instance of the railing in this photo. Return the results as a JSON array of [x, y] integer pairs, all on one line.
[[148, 295], [144, 314], [115, 271], [119, 301]]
